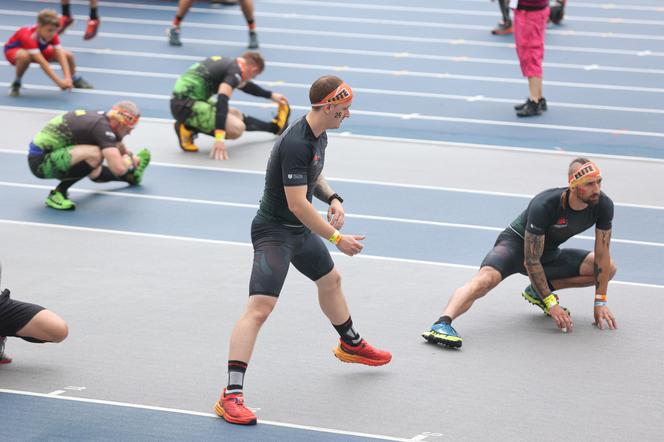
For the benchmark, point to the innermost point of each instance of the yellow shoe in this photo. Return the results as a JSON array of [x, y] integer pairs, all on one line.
[[185, 138], [281, 120]]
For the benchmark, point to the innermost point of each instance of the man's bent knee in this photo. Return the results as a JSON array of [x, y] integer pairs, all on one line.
[[331, 281], [486, 279]]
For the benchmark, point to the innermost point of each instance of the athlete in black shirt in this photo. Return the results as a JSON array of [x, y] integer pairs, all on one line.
[[530, 246], [30, 322], [288, 229]]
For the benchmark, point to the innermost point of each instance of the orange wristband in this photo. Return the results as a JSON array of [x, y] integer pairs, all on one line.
[[219, 135]]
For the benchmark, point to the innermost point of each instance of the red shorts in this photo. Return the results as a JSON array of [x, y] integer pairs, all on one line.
[[10, 54], [529, 29]]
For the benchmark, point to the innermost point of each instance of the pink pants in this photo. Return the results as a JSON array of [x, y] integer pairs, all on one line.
[[529, 29]]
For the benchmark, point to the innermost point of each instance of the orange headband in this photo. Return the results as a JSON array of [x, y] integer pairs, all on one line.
[[341, 95], [585, 173], [124, 117]]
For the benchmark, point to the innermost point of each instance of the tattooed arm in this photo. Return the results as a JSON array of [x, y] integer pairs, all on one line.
[[533, 249], [335, 213], [602, 263], [602, 266], [323, 191]]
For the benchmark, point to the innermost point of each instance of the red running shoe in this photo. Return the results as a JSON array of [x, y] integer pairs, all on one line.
[[363, 353], [91, 30], [65, 22], [231, 408]]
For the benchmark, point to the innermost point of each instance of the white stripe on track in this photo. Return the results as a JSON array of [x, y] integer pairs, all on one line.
[[475, 121], [387, 92], [348, 215], [198, 413], [237, 243], [442, 143]]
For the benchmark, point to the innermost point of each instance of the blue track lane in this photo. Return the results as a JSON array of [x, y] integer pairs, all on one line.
[[39, 418], [390, 238], [497, 79]]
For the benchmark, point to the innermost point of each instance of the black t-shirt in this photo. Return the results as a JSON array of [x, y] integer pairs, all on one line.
[[549, 214], [76, 127], [297, 159]]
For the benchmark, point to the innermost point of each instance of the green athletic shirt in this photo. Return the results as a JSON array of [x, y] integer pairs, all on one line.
[[76, 127], [202, 80]]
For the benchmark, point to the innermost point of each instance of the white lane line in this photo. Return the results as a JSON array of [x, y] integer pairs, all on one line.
[[348, 215], [473, 121], [388, 92], [55, 393], [387, 183], [198, 413], [577, 4], [361, 36], [242, 244], [345, 19], [335, 5]]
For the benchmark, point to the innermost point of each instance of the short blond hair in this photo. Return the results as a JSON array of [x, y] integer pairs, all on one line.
[[48, 17]]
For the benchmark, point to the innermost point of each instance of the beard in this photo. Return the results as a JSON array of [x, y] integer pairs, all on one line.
[[591, 199]]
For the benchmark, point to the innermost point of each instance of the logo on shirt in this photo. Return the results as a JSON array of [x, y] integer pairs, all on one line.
[[561, 223], [110, 135], [296, 176]]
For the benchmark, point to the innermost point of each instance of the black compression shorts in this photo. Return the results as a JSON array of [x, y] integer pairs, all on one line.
[[14, 315], [507, 257], [276, 246]]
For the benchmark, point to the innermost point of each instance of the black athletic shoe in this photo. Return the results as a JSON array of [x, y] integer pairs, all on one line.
[[530, 109], [15, 89], [541, 102], [253, 40]]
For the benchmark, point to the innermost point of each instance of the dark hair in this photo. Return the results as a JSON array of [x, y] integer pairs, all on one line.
[[255, 58], [578, 160], [323, 86]]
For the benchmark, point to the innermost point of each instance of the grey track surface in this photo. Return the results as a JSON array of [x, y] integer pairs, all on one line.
[[150, 318]]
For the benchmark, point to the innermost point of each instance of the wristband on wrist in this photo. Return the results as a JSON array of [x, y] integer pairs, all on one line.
[[335, 238], [600, 297], [600, 303], [219, 135], [334, 196], [550, 301]]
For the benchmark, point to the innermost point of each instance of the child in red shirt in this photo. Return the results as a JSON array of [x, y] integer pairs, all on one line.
[[41, 44]]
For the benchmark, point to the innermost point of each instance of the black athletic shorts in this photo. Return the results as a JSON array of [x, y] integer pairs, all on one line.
[[507, 257], [14, 315], [276, 246], [181, 109]]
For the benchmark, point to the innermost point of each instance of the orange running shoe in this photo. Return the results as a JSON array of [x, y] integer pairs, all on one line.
[[91, 29], [231, 408], [363, 353]]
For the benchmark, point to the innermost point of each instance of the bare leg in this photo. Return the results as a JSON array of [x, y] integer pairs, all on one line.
[[234, 125], [23, 60], [331, 298], [485, 280], [183, 8], [243, 337], [247, 7], [45, 326], [535, 88]]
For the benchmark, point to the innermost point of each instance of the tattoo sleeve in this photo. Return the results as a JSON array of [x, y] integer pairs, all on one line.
[[533, 249], [323, 191], [602, 260]]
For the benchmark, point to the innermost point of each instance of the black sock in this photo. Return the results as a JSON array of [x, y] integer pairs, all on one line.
[[77, 172], [348, 333], [254, 124], [105, 176], [93, 14], [236, 371], [66, 10], [446, 319]]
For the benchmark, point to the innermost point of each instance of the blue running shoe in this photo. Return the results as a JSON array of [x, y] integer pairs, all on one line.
[[530, 295], [442, 333]]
